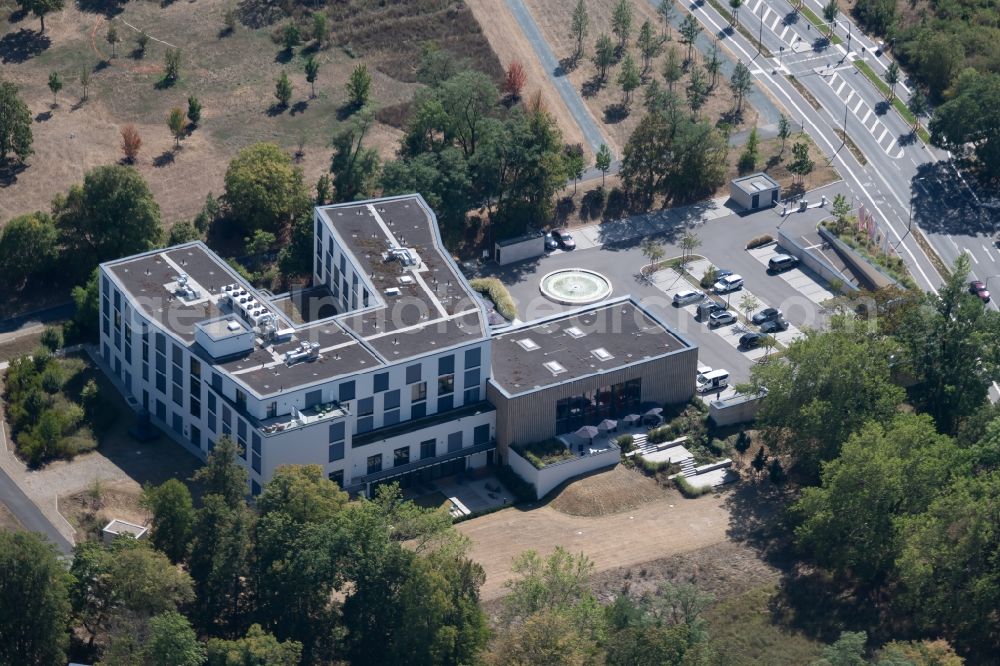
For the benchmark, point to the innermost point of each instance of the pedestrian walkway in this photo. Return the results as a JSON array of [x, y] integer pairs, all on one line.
[[864, 113]]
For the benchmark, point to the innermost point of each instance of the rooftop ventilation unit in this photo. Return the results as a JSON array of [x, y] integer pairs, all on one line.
[[307, 351], [184, 290], [401, 254], [406, 279], [575, 332], [392, 291]]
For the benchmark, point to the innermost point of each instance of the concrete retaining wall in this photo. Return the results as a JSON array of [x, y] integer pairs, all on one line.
[[816, 263], [549, 477], [736, 409], [872, 277]]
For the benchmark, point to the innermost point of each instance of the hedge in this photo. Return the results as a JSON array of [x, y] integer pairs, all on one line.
[[688, 490], [495, 290], [759, 241]]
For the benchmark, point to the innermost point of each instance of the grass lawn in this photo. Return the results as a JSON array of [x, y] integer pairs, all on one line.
[[819, 23], [545, 453], [743, 631]]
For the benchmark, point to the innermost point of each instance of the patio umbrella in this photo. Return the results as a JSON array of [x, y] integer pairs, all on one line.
[[587, 432], [607, 425], [655, 411], [653, 415], [631, 419]]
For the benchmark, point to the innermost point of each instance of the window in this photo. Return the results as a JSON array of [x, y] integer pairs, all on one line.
[[177, 375], [446, 384], [337, 431], [401, 456], [195, 367], [481, 434], [594, 405], [455, 442], [241, 401], [196, 408], [346, 391], [471, 378], [375, 463], [366, 407], [255, 462], [161, 343], [381, 382], [272, 410], [255, 438], [391, 400], [178, 355], [471, 395], [390, 418], [211, 402], [178, 396], [445, 403], [217, 382], [473, 357], [413, 374], [446, 365], [336, 452], [254, 488], [337, 477], [161, 381], [418, 392], [428, 449], [418, 410], [196, 437]]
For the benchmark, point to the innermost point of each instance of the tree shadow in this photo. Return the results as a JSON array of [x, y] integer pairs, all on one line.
[[791, 18], [225, 32], [43, 116], [732, 117], [615, 113], [346, 110], [9, 171], [284, 56], [820, 44], [137, 54], [276, 109], [165, 158], [101, 66], [22, 45], [109, 8], [907, 138], [299, 107], [592, 204], [164, 83], [882, 108], [592, 87], [567, 65], [564, 208]]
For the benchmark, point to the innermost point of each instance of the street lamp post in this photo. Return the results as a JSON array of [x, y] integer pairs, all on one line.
[[909, 221]]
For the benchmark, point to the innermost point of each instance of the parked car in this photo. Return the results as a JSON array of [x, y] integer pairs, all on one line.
[[721, 318], [751, 340], [708, 307], [774, 326], [782, 262], [551, 241], [715, 380], [767, 314], [729, 283], [978, 288], [687, 296], [564, 239], [722, 272]]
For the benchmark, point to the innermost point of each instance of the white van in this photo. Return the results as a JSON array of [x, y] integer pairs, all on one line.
[[716, 380], [729, 283]]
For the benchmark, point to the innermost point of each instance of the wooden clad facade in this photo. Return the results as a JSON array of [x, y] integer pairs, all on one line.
[[531, 417]]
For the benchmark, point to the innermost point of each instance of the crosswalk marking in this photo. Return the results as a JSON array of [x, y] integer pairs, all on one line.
[[882, 135]]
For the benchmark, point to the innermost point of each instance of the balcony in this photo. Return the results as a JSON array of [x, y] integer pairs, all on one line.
[[300, 418]]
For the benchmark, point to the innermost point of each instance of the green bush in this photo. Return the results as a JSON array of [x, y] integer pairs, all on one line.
[[522, 490], [650, 467], [495, 290], [759, 240], [688, 490], [52, 338], [544, 453], [625, 442]]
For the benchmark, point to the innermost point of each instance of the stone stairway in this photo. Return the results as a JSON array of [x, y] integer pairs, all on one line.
[[687, 468]]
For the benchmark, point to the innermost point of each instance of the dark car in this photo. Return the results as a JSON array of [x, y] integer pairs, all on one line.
[[709, 307], [551, 242], [566, 241], [722, 272], [751, 340], [774, 326], [978, 288], [782, 262], [767, 314]]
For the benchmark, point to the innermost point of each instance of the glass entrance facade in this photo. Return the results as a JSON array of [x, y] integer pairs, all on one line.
[[593, 406]]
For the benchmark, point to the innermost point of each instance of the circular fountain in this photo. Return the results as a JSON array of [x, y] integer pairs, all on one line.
[[575, 286]]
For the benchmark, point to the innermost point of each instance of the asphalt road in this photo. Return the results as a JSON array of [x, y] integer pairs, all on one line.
[[902, 177], [30, 517]]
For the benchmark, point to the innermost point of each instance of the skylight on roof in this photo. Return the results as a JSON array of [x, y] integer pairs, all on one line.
[[575, 332], [555, 367], [602, 354], [527, 344]]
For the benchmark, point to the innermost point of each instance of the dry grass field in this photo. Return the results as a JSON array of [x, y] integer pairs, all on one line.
[[554, 18], [233, 75]]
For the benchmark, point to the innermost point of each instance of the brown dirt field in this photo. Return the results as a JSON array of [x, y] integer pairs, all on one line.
[[7, 520], [117, 499], [554, 18], [668, 526], [509, 43], [232, 76], [606, 493], [20, 343]]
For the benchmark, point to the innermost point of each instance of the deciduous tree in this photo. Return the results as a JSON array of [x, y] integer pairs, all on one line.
[[264, 190], [175, 123], [741, 83], [312, 71], [40, 8], [84, 79], [113, 214], [666, 11], [283, 90], [142, 40], [514, 80], [604, 55], [34, 600], [55, 85], [892, 78], [131, 143], [15, 124], [354, 166], [689, 33], [579, 26], [970, 119], [359, 86], [173, 516], [257, 647], [603, 161], [171, 66], [113, 38], [801, 164], [172, 642], [629, 78], [784, 131], [194, 110], [621, 22], [649, 45], [29, 245]]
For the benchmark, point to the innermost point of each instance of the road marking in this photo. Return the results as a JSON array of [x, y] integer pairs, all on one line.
[[986, 250], [952, 242], [969, 252], [857, 106], [733, 44]]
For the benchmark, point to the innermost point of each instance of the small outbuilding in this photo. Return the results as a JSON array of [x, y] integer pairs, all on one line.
[[755, 191], [116, 527]]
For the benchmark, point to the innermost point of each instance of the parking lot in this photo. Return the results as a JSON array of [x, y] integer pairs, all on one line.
[[723, 237]]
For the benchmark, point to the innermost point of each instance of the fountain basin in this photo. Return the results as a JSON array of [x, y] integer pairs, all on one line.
[[575, 286]]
